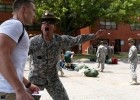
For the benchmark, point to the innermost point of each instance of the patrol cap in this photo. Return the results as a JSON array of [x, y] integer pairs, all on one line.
[[102, 42], [48, 15], [130, 40]]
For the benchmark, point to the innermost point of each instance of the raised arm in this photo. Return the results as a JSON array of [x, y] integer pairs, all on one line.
[[98, 33], [69, 41]]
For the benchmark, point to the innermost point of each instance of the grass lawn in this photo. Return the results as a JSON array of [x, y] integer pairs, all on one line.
[[80, 56], [87, 56]]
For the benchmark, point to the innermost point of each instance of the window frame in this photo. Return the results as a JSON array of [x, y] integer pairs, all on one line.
[[135, 27], [5, 7], [108, 24]]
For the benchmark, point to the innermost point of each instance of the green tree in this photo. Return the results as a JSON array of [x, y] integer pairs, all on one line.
[[76, 14]]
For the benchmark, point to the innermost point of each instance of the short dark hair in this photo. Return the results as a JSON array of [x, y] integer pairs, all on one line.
[[18, 3], [102, 42], [131, 40]]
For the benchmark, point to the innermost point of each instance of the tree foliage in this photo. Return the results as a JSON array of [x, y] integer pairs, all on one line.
[[76, 14]]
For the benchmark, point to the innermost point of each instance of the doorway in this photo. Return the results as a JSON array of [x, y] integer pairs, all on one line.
[[117, 46]]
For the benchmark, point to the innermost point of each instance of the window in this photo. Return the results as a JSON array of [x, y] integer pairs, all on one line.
[[107, 25], [5, 8], [9, 8], [135, 27]]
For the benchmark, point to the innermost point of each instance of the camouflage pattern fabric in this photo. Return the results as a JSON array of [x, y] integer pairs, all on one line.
[[133, 58], [7, 96], [45, 55], [101, 55]]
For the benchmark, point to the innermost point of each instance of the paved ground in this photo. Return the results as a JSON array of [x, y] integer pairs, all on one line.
[[112, 84]]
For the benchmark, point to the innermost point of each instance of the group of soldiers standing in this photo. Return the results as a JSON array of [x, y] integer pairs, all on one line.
[[103, 53]]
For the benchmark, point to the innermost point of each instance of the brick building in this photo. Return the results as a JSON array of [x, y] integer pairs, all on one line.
[[6, 13], [113, 34]]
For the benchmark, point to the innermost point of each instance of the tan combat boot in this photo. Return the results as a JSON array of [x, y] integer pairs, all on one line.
[[134, 82], [101, 70], [62, 73]]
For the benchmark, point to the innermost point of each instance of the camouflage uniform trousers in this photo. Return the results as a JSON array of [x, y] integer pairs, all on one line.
[[133, 67], [7, 96], [101, 62], [55, 89]]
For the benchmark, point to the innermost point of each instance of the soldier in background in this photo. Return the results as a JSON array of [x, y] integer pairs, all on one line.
[[60, 64], [108, 50], [90, 49], [133, 60], [45, 51], [68, 56], [101, 55]]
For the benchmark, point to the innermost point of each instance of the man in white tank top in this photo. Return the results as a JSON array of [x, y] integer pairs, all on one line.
[[14, 52]]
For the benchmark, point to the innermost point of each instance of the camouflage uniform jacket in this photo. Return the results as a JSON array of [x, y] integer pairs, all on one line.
[[132, 56], [101, 53], [45, 55]]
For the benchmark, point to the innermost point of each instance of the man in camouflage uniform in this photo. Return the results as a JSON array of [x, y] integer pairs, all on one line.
[[68, 59], [133, 60], [101, 55], [45, 51]]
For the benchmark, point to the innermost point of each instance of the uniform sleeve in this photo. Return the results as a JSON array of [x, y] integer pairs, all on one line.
[[98, 52], [106, 51], [31, 47], [131, 54], [69, 41]]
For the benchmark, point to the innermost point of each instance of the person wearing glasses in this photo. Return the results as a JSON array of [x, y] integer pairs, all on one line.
[[133, 60], [45, 50]]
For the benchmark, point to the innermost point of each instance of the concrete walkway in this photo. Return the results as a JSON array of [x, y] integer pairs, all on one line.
[[112, 84]]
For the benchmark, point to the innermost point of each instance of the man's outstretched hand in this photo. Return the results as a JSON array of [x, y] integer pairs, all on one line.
[[99, 33]]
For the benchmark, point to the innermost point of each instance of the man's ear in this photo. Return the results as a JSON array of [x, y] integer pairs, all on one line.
[[23, 9]]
